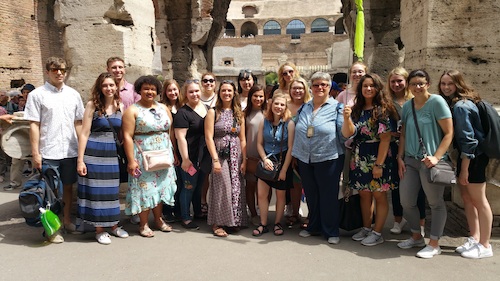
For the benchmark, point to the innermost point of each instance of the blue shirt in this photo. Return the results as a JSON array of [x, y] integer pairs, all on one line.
[[327, 141], [467, 128], [272, 137]]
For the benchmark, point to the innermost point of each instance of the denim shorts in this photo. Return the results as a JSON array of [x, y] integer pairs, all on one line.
[[66, 168]]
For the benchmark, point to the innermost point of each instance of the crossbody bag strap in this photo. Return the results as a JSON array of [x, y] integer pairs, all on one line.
[[115, 135], [420, 139]]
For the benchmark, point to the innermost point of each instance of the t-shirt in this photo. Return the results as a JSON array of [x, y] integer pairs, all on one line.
[[186, 117], [434, 109], [128, 95]]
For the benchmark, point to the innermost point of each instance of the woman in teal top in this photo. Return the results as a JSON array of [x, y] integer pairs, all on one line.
[[436, 127]]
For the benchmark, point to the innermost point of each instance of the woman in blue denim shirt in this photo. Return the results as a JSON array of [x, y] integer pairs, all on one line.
[[274, 137], [319, 149], [471, 164]]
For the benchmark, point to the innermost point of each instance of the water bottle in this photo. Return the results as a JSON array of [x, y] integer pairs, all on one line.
[[50, 221]]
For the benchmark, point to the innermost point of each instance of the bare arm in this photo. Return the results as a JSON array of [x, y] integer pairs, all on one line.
[[243, 144], [348, 127], [401, 153], [35, 144], [128, 128], [171, 133], [84, 136], [447, 127], [209, 139], [383, 149], [180, 134], [288, 157]]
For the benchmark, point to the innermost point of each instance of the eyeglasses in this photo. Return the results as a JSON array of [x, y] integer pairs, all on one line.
[[192, 81], [286, 73], [322, 85], [208, 80], [55, 70], [419, 85], [157, 115]]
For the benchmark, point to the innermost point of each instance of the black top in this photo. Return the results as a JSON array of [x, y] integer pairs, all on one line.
[[186, 117]]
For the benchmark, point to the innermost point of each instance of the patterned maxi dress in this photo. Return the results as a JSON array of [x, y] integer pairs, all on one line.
[[227, 192], [365, 151], [151, 188], [98, 202]]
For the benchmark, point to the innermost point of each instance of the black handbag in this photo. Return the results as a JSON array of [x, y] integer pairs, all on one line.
[[350, 211], [271, 175], [120, 151], [443, 172]]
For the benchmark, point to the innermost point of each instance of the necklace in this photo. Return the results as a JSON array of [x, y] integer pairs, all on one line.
[[209, 99]]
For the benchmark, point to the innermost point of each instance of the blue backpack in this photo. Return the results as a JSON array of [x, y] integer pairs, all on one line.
[[490, 121], [42, 190]]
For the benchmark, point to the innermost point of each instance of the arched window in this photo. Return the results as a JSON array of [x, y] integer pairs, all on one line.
[[249, 29], [249, 10], [295, 28], [320, 25], [339, 26], [272, 27], [230, 30]]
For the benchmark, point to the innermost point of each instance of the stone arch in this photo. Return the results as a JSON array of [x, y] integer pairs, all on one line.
[[295, 28], [339, 26], [320, 25], [249, 10], [249, 29], [230, 30], [272, 27]]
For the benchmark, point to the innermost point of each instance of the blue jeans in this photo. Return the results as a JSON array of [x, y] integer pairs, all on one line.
[[321, 186], [191, 192]]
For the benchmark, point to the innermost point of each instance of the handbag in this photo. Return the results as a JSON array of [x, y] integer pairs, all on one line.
[[155, 160], [350, 211], [443, 172], [120, 151], [271, 175]]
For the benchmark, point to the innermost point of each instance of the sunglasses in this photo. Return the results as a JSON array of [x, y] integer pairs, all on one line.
[[157, 115], [208, 80], [55, 70], [286, 73]]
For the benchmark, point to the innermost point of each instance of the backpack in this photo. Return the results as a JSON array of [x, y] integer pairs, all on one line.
[[41, 190], [490, 121]]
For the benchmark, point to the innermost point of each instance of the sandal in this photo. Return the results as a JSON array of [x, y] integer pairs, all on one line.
[[145, 231], [278, 229], [261, 229], [305, 223], [220, 232], [291, 221], [164, 227]]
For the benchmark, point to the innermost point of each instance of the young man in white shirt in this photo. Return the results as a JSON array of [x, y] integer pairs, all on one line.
[[56, 111]]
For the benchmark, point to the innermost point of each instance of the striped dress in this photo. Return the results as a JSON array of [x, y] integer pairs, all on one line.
[[98, 202]]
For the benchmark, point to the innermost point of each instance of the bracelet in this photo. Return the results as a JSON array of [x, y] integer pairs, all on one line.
[[215, 160], [378, 165]]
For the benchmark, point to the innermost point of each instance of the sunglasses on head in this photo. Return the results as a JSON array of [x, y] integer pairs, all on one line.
[[192, 81]]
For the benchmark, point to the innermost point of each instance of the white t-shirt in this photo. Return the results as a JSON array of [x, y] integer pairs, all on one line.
[[57, 111]]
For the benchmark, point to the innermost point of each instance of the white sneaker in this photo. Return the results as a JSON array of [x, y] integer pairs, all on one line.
[[372, 239], [398, 226], [304, 233], [361, 234], [135, 219], [478, 251], [333, 240], [119, 232], [429, 252], [56, 238], [469, 243], [410, 243], [103, 238]]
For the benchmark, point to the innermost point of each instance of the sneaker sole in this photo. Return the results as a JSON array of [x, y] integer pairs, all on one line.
[[373, 244], [358, 239], [428, 257]]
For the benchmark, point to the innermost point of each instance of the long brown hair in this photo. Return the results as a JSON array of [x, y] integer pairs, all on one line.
[[253, 90], [97, 96], [235, 103], [382, 106], [464, 91], [164, 99]]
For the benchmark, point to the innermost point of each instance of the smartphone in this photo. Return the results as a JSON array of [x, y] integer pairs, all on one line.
[[137, 173], [192, 170]]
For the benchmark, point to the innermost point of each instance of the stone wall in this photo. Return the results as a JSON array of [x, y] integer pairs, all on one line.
[[29, 36]]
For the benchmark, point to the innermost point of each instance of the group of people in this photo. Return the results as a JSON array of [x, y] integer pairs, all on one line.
[[218, 137]]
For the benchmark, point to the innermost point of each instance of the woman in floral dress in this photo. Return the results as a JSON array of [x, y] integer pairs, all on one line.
[[225, 137], [373, 168], [148, 123]]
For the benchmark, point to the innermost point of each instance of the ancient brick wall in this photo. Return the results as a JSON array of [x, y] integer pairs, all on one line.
[[29, 35]]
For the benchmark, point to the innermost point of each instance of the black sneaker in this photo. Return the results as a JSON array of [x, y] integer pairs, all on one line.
[[190, 225]]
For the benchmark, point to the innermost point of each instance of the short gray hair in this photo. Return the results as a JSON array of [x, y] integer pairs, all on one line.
[[321, 76]]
